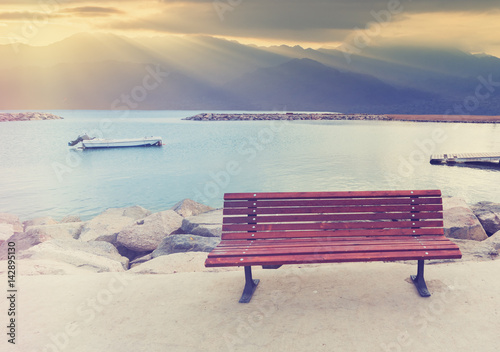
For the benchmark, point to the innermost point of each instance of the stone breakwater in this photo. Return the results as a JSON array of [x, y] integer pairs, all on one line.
[[27, 116], [285, 116], [337, 116]]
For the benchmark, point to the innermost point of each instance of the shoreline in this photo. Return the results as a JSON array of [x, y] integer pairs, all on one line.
[[28, 116], [338, 117]]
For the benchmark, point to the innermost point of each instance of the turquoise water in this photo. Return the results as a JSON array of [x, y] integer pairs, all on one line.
[[42, 176]]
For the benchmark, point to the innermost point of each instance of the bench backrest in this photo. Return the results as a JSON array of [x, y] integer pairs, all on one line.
[[257, 216]]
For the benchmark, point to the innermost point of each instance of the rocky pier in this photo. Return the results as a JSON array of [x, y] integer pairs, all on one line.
[[27, 116], [285, 116]]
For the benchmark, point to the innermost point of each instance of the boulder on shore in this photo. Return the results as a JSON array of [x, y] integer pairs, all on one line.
[[13, 220], [107, 225], [96, 256], [146, 234], [70, 218], [46, 220], [460, 222], [494, 240], [488, 214], [207, 224], [68, 231], [188, 207], [185, 243], [475, 250]]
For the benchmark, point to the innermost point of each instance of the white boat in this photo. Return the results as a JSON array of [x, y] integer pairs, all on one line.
[[117, 143]]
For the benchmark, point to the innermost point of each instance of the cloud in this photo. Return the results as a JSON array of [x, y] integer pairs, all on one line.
[[92, 11], [24, 15], [284, 19]]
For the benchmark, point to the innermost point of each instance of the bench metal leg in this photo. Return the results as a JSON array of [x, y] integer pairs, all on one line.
[[419, 281], [250, 286]]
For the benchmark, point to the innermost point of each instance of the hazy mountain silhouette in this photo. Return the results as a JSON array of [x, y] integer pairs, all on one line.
[[92, 71]]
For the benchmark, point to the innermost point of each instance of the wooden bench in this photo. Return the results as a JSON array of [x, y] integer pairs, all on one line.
[[273, 229]]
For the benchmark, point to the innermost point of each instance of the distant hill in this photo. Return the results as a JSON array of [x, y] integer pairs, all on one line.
[[305, 84], [93, 71]]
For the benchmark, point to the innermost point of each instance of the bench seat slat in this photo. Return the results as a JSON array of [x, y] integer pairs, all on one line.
[[329, 248], [343, 242], [328, 202], [331, 209], [333, 233], [336, 241], [334, 258], [348, 194], [330, 226], [334, 217]]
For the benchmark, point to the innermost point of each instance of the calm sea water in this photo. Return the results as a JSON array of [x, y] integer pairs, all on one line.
[[42, 176]]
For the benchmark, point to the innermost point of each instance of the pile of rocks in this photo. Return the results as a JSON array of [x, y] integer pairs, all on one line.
[[133, 238], [116, 240], [27, 116], [284, 116]]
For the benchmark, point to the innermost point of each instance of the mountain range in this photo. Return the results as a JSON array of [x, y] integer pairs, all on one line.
[[108, 72]]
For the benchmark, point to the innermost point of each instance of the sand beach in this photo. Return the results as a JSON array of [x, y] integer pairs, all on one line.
[[330, 307]]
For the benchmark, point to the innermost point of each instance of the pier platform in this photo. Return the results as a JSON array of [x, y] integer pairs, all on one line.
[[454, 158]]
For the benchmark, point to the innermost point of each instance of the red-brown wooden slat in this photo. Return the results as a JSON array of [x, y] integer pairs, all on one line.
[[329, 202], [325, 249], [334, 240], [334, 258], [330, 217], [335, 233], [337, 241], [307, 246], [325, 226], [348, 194], [330, 209]]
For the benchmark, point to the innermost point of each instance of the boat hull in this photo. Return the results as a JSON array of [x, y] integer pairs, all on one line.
[[122, 143]]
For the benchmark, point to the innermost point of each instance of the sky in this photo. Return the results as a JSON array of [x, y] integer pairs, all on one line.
[[471, 26]]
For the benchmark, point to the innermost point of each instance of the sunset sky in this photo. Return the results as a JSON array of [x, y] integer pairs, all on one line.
[[472, 26]]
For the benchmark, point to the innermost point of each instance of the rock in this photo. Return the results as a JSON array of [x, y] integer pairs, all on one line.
[[185, 243], [47, 220], [10, 219], [66, 231], [130, 254], [70, 218], [188, 207], [141, 260], [488, 214], [474, 250], [147, 234], [22, 241], [96, 256], [460, 222], [6, 231], [106, 226], [208, 224], [494, 240]]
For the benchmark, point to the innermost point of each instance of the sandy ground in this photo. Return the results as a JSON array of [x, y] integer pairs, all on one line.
[[329, 307]]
